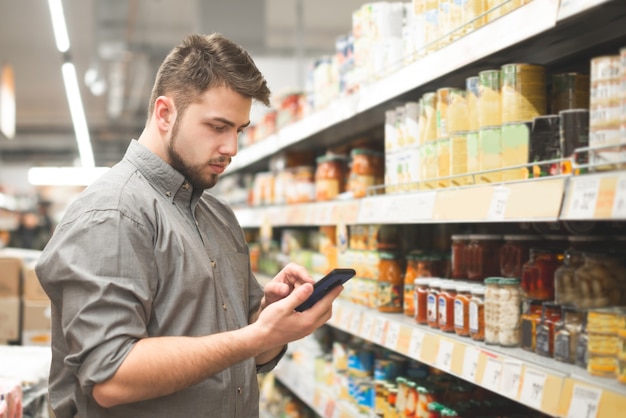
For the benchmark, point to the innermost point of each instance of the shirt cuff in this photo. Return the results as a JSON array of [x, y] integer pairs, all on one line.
[[269, 366]]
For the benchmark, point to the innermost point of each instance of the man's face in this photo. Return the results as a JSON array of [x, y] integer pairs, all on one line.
[[204, 138]]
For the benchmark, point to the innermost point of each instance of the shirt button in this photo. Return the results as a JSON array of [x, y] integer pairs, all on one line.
[[224, 306], [239, 391], [168, 194], [186, 186]]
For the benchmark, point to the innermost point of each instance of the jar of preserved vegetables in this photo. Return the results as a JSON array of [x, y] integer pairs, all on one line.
[[531, 318], [510, 303], [390, 283], [597, 281], [367, 169], [567, 331], [421, 299], [483, 256], [477, 313], [550, 315], [492, 310], [566, 290], [446, 306], [330, 176], [514, 253], [538, 273]]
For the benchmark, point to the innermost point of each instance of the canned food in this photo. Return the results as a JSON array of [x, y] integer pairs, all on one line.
[[523, 92], [489, 101]]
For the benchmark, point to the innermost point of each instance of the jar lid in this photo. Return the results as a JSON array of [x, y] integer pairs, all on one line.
[[365, 151], [478, 290], [509, 281], [388, 255], [486, 236], [330, 158], [492, 280], [423, 281], [527, 237]]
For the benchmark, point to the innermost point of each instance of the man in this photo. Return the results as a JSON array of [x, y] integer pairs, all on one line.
[[155, 311]]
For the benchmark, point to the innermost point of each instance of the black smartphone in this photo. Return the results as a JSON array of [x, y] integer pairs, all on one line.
[[333, 279]]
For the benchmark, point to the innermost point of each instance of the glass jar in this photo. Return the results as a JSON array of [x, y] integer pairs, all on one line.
[[390, 283], [492, 310], [461, 309], [429, 265], [514, 253], [421, 299], [410, 275], [483, 256], [446, 306], [566, 291], [567, 331], [538, 273], [531, 317], [367, 169], [426, 395], [596, 281], [410, 407], [433, 304], [510, 301], [477, 313], [330, 176], [459, 245], [301, 189], [550, 315]]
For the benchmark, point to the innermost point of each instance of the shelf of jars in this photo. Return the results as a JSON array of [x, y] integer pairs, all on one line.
[[544, 384]]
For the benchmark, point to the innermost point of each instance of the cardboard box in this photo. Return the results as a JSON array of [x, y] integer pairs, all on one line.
[[9, 319], [32, 289], [36, 322], [10, 274]]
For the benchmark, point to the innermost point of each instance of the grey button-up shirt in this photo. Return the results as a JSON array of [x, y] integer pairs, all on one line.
[[141, 254]]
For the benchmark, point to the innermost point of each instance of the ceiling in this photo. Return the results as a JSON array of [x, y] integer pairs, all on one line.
[[124, 41]]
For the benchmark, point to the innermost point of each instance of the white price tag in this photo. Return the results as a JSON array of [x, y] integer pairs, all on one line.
[[619, 204], [470, 363], [378, 334], [584, 402], [497, 207], [355, 324], [532, 388], [424, 206], [393, 333], [412, 207], [415, 345], [492, 374], [511, 377], [367, 327], [444, 355], [582, 204]]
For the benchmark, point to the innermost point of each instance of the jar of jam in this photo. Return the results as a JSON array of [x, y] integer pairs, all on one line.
[[433, 303], [567, 331], [531, 317], [446, 306], [566, 290], [410, 275], [461, 309], [538, 273], [509, 312], [390, 282], [483, 256], [367, 169], [477, 313], [459, 246], [420, 300], [330, 176], [550, 315], [514, 253], [492, 310]]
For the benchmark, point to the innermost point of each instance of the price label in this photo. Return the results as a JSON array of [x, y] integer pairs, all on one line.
[[584, 197], [444, 355], [415, 345], [492, 374], [367, 327], [470, 363], [511, 377], [355, 324], [393, 333], [497, 207], [619, 204], [532, 388], [584, 403], [424, 206], [378, 334]]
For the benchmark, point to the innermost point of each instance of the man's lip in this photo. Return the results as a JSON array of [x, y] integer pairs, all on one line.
[[218, 168]]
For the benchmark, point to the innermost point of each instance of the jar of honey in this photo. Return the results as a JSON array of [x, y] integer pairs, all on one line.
[[420, 300], [461, 309], [330, 176], [433, 303], [390, 292], [477, 313], [367, 169], [538, 273], [446, 306]]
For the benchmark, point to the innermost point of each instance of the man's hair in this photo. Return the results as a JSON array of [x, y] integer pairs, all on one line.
[[201, 62]]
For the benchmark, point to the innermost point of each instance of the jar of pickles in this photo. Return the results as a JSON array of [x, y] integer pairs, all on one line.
[[420, 300], [567, 331], [492, 310], [390, 283], [483, 256], [531, 318], [510, 301], [566, 290], [597, 281], [461, 309], [459, 246], [330, 176], [446, 306], [538, 273], [514, 253], [477, 313], [550, 315]]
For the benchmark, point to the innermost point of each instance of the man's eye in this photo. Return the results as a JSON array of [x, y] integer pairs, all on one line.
[[219, 128]]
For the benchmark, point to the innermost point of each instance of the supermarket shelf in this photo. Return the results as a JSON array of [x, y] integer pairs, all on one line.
[[540, 383], [599, 196], [532, 200]]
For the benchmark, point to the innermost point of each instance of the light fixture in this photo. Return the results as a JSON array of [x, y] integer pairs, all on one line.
[[78, 115], [64, 176], [58, 25], [7, 101]]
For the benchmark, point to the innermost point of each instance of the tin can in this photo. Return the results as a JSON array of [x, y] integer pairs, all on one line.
[[489, 100]]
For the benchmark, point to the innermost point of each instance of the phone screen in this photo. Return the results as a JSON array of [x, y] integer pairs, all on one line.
[[333, 279]]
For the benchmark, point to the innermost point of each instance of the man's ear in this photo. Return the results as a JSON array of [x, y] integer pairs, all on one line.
[[164, 113]]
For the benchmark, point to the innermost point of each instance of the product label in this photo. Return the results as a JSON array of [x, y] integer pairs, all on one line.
[[473, 317], [561, 347], [326, 189], [442, 311], [459, 314], [432, 308], [389, 295], [542, 340]]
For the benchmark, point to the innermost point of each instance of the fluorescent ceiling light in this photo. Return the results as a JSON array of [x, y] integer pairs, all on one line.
[[64, 176], [78, 115], [7, 102], [58, 25]]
